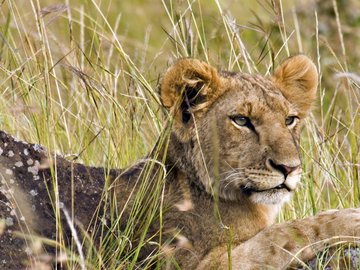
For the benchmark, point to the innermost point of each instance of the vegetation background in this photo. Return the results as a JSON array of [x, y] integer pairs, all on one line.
[[81, 76]]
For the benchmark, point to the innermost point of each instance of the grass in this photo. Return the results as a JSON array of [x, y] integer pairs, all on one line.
[[81, 78]]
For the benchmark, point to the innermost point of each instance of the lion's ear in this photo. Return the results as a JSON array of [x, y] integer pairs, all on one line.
[[188, 85], [297, 78]]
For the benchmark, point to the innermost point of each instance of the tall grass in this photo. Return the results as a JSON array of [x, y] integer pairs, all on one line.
[[80, 77]]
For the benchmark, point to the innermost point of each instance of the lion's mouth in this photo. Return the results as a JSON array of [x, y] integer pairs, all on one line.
[[282, 186]]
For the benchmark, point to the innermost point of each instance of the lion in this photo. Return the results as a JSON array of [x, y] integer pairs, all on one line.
[[233, 159], [230, 159]]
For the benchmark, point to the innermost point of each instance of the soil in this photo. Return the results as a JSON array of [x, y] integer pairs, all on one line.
[[31, 182]]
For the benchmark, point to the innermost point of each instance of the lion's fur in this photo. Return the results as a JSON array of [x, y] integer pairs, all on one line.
[[216, 168]]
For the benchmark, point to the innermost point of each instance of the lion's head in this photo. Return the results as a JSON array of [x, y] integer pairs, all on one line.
[[239, 132]]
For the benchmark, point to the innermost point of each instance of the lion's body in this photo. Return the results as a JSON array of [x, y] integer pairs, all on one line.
[[226, 181], [191, 224], [232, 159]]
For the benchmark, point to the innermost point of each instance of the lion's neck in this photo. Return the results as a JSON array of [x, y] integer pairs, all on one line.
[[215, 218], [242, 216]]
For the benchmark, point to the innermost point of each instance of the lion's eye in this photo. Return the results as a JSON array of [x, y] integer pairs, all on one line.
[[290, 120], [242, 121]]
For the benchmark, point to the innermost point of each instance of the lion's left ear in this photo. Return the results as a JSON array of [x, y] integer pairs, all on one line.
[[297, 78]]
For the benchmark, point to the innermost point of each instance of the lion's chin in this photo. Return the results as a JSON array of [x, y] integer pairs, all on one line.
[[272, 196]]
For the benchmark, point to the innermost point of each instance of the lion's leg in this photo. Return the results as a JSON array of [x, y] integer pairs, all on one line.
[[288, 244]]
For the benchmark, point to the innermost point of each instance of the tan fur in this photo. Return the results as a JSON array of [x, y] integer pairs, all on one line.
[[221, 159], [298, 73], [287, 245], [226, 182], [189, 73]]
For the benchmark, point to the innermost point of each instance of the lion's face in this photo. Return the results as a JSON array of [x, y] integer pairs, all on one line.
[[242, 131], [249, 139]]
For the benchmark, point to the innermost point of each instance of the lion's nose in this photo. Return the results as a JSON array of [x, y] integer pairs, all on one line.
[[284, 169]]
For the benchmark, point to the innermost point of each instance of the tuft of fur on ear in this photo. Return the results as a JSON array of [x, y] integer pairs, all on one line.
[[297, 78], [187, 86]]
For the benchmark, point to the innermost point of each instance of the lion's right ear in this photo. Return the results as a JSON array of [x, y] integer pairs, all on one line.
[[187, 86]]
